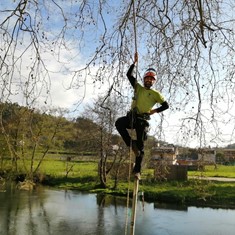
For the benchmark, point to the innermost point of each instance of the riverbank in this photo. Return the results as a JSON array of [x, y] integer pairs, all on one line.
[[198, 190], [193, 192]]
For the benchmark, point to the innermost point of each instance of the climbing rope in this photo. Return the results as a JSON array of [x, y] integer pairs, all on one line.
[[134, 22], [132, 120]]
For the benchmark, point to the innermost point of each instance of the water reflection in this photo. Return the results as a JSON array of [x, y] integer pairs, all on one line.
[[176, 207], [57, 212]]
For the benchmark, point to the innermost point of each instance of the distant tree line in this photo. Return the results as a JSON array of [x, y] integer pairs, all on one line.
[[29, 134], [24, 128]]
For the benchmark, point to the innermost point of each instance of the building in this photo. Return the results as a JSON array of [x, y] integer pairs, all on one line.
[[167, 154], [207, 156]]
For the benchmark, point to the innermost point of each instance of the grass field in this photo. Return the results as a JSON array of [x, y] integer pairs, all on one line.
[[218, 171]]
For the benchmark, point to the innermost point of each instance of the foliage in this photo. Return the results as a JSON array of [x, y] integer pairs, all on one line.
[[28, 133], [84, 136]]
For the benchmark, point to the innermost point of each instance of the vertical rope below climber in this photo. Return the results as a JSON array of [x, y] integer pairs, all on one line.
[[134, 204]]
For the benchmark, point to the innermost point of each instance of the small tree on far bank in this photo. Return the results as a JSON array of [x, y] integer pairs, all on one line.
[[104, 114]]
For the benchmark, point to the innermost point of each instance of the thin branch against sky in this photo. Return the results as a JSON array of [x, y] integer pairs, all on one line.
[[63, 52]]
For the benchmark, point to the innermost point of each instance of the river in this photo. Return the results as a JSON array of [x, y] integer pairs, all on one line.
[[46, 211]]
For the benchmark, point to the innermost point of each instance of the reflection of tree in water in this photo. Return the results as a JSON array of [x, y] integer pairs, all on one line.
[[45, 217], [108, 200], [34, 212], [2, 184], [21, 214], [5, 212], [43, 213], [100, 217], [110, 205], [170, 206]]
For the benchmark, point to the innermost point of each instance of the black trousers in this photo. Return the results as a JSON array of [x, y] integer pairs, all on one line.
[[140, 126]]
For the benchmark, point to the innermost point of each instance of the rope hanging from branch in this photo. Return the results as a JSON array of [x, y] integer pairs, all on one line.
[[135, 191]]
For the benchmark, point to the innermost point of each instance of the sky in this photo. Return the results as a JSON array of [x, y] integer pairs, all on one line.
[[73, 54]]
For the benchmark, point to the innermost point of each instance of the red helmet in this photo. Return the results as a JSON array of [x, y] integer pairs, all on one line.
[[150, 73]]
